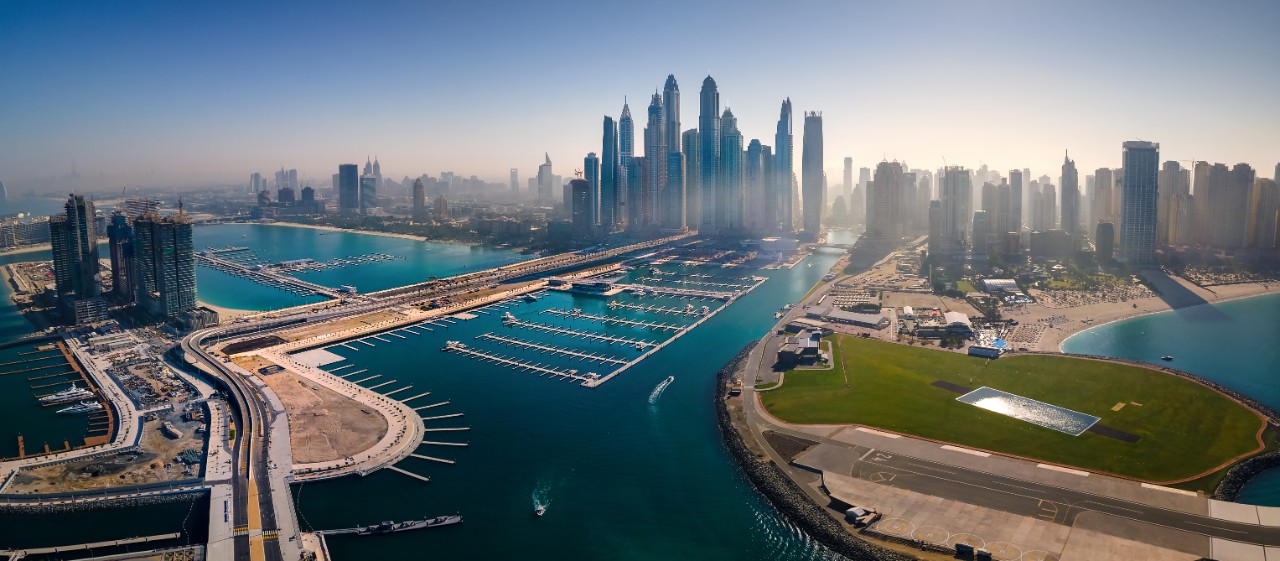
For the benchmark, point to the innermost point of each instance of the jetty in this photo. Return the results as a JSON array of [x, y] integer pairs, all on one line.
[[612, 320], [511, 321], [525, 366], [559, 351]]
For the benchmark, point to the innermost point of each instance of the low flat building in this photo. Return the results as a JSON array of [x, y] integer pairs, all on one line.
[[800, 349], [836, 315], [807, 324]]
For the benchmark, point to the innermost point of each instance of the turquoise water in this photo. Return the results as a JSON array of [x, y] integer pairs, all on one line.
[[1236, 344], [282, 243], [625, 478]]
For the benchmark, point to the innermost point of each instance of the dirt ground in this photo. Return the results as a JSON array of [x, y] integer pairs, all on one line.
[[154, 463], [900, 299], [323, 424]]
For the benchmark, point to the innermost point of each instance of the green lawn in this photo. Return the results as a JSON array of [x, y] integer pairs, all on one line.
[[1186, 429]]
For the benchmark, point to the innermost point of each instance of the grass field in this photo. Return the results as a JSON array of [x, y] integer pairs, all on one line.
[[1185, 428]]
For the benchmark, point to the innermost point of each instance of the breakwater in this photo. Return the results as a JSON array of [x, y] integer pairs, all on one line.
[[783, 493]]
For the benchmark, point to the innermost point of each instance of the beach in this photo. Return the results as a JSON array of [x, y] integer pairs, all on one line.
[[225, 314], [1174, 293]]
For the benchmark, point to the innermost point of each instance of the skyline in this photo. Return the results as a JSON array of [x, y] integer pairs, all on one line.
[[155, 100]]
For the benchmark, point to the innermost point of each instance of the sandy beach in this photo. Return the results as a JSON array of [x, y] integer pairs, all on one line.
[[225, 314], [1175, 293], [26, 249]]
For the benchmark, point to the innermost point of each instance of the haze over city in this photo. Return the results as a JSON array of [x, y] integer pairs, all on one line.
[[142, 94]]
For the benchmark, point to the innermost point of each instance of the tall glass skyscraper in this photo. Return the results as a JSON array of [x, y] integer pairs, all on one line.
[[813, 187], [120, 246], [348, 188], [609, 176], [74, 239], [591, 172], [1138, 202], [709, 154], [692, 179], [784, 171], [729, 197], [166, 265], [1070, 198]]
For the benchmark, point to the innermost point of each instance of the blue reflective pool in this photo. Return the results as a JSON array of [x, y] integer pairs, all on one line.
[[999, 344], [1029, 410]]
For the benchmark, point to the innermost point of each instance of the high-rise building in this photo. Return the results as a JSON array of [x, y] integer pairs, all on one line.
[[1047, 213], [1265, 224], [709, 155], [1104, 184], [956, 193], [671, 114], [255, 182], [784, 171], [635, 182], [515, 181], [671, 204], [1105, 241], [1015, 201], [847, 190], [883, 200], [74, 239], [936, 237], [1222, 203], [348, 188], [166, 265], [813, 186], [546, 182], [1070, 197], [580, 190], [1138, 202], [756, 208], [419, 201], [730, 179], [368, 193], [692, 179], [591, 172], [609, 168], [124, 280], [626, 136], [655, 154]]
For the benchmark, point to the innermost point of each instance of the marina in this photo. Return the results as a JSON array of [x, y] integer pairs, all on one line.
[[510, 320], [608, 320], [549, 349]]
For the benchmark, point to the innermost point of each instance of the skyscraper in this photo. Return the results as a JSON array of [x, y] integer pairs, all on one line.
[[124, 281], [628, 173], [348, 188], [368, 193], [709, 154], [515, 181], [1223, 203], [883, 198], [1015, 202], [956, 194], [1105, 241], [813, 186], [419, 201], [166, 265], [591, 172], [671, 204], [757, 203], [729, 198], [784, 170], [1138, 203], [847, 191], [580, 203], [1104, 184], [626, 136], [692, 179], [1173, 203], [655, 155], [1266, 214], [671, 114], [1070, 198], [609, 176], [74, 239], [546, 182]]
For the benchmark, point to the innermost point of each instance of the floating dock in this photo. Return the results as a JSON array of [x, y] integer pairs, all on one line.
[[612, 320], [550, 350], [522, 365], [511, 321]]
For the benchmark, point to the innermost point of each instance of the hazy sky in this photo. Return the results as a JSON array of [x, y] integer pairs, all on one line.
[[186, 93]]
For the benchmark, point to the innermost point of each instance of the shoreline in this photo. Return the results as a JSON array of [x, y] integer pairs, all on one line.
[[1101, 314], [27, 249], [225, 313]]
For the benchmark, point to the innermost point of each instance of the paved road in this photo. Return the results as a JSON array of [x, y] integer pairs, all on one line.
[[1029, 498]]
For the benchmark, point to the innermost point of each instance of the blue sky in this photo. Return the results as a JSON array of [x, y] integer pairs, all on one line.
[[185, 94]]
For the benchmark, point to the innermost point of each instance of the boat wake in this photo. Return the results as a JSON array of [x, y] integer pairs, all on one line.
[[541, 497], [657, 390]]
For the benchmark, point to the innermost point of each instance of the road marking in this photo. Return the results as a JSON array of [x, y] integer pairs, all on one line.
[[931, 468], [965, 451], [1217, 528], [1048, 510], [878, 433], [1063, 470], [880, 476], [1171, 490], [864, 456]]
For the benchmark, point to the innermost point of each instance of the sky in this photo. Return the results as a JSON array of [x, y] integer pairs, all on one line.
[[191, 94]]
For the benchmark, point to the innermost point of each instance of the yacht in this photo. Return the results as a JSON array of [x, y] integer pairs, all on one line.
[[539, 510], [72, 393], [82, 407], [1166, 358]]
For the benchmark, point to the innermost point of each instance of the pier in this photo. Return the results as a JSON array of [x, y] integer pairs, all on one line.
[[449, 416], [20, 553], [445, 443], [518, 364], [511, 321], [441, 460], [408, 399], [690, 293], [687, 311], [262, 275], [421, 478], [610, 320], [551, 350], [697, 283]]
